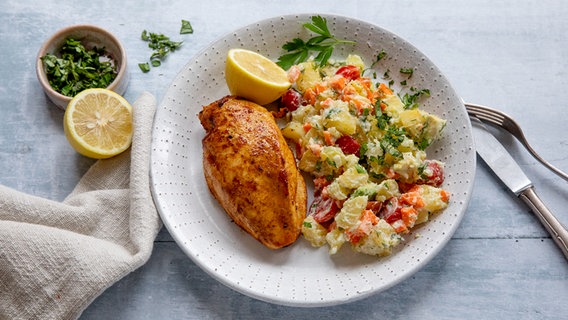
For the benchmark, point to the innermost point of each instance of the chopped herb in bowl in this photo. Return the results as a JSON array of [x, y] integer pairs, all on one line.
[[75, 68]]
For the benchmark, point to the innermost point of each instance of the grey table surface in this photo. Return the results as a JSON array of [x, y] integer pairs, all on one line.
[[510, 55]]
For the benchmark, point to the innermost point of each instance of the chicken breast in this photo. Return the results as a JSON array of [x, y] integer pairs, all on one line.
[[251, 171]]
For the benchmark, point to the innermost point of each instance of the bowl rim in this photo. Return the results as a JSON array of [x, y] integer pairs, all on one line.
[[62, 33]]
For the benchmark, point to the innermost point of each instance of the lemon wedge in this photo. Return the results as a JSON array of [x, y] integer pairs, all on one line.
[[254, 77], [98, 123]]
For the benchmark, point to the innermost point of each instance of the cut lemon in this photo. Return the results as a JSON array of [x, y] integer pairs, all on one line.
[[254, 77], [98, 123]]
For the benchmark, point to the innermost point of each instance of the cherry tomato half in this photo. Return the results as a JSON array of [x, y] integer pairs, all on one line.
[[433, 174], [323, 209], [291, 100], [348, 145], [349, 72]]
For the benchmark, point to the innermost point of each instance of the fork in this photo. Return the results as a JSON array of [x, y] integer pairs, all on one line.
[[502, 120]]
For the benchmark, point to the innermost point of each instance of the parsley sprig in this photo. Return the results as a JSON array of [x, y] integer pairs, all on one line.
[[300, 50]]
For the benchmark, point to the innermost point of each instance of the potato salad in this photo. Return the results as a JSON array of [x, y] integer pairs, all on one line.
[[365, 147]]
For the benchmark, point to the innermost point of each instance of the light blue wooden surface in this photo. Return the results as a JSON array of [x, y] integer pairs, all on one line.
[[510, 55]]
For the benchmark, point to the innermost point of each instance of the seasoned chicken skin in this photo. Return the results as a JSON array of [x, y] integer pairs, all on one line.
[[251, 171]]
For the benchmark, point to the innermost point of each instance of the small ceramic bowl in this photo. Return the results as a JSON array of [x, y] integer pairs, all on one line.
[[90, 36]]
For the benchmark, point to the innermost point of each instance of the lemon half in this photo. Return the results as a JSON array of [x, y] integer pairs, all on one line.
[[98, 123], [254, 77]]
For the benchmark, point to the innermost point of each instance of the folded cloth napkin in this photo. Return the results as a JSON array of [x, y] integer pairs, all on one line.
[[57, 257]]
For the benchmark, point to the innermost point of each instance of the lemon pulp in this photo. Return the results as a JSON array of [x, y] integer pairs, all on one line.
[[252, 76], [98, 123]]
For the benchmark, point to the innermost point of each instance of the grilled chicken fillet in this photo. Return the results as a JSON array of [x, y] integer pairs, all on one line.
[[251, 171]]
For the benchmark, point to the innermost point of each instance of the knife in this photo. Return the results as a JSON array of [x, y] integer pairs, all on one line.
[[506, 168]]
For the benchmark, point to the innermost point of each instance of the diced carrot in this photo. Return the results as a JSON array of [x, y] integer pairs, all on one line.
[[280, 113], [367, 220], [391, 174], [326, 103], [316, 149], [337, 82], [409, 216], [413, 198], [366, 83], [374, 206], [320, 87], [399, 226], [320, 183], [307, 126], [359, 104], [294, 74], [445, 195], [310, 96], [348, 91], [328, 138], [369, 216], [384, 89]]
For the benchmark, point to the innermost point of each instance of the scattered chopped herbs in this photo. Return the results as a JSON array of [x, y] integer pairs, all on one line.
[[422, 144], [299, 50], [382, 118], [145, 67], [162, 45], [422, 171], [394, 136], [411, 100], [363, 149], [407, 71], [75, 68], [331, 162], [380, 56], [185, 27], [360, 168]]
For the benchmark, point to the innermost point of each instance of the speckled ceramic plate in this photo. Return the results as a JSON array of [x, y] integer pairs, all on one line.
[[298, 275]]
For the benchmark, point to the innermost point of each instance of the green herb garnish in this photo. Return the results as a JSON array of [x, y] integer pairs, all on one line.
[[185, 27], [75, 68], [299, 50], [145, 67], [162, 45], [407, 71], [380, 56], [411, 100], [382, 118]]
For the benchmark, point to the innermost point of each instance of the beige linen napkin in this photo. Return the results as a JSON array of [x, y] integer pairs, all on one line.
[[57, 257]]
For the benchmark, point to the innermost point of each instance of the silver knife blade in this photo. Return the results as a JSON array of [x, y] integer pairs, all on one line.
[[499, 159], [507, 169]]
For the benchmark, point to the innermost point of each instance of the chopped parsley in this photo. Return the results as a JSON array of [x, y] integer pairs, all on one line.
[[410, 101], [75, 68], [162, 45], [407, 71], [185, 27]]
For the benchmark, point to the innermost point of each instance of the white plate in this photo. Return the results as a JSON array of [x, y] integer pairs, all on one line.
[[298, 275]]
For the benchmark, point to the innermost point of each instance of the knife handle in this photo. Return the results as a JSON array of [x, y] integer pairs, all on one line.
[[553, 226]]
